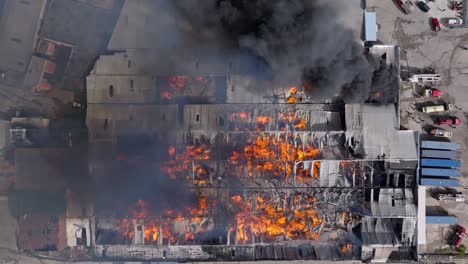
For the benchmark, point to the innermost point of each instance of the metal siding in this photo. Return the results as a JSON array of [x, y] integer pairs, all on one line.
[[441, 219], [439, 172], [441, 163], [370, 20], [439, 145], [440, 182], [38, 232]]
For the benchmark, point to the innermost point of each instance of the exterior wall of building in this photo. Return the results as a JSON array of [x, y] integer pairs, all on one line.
[[107, 122], [127, 89], [75, 235]]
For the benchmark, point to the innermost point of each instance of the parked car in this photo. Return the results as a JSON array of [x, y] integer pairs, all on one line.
[[449, 121], [435, 24], [441, 133], [406, 5], [457, 197], [437, 108], [450, 21], [432, 92], [458, 237], [423, 6]]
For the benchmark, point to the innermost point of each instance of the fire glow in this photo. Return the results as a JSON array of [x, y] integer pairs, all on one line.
[[258, 217]]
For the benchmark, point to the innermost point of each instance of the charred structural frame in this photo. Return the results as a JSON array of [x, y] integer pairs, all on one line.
[[346, 170]]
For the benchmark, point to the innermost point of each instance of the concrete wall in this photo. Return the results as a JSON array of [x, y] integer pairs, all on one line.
[[123, 89]]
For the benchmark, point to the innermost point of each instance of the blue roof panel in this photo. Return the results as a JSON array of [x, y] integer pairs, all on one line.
[[370, 20], [440, 182], [448, 163], [441, 219], [440, 172]]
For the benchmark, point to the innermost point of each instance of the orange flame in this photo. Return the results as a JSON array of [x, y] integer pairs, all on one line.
[[177, 82], [292, 95], [166, 95], [243, 115], [263, 119], [171, 151]]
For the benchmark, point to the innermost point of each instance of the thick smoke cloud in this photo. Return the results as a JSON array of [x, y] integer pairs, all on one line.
[[298, 39]]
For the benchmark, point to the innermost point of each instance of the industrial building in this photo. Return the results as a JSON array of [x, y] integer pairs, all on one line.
[[203, 160], [349, 188]]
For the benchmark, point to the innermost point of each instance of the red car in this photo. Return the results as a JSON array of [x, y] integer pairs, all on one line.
[[432, 92], [457, 238], [449, 121], [435, 24]]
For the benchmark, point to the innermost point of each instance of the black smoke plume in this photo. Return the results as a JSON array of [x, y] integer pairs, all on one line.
[[300, 40]]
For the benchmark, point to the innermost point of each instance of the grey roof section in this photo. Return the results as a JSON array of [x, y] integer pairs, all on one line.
[[18, 26], [378, 231], [330, 176], [78, 23], [383, 231], [133, 32], [394, 203], [374, 131]]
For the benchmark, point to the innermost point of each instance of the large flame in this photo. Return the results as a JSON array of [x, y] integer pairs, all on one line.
[[282, 156]]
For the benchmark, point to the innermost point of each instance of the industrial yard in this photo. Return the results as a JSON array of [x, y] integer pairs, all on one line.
[[231, 138]]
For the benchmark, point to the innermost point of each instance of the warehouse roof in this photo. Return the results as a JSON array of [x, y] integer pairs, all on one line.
[[373, 131], [18, 25]]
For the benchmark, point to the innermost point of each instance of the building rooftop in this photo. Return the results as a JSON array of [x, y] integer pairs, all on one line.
[[373, 132], [18, 26]]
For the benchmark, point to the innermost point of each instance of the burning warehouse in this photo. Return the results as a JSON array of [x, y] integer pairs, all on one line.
[[195, 180], [204, 159]]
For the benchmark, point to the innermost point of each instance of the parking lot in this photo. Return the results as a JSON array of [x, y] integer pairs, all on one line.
[[422, 49]]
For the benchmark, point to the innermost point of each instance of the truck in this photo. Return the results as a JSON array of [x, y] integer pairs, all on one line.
[[432, 92], [457, 197], [443, 163], [437, 108], [427, 77], [440, 154], [441, 133], [429, 144], [406, 5], [457, 238]]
